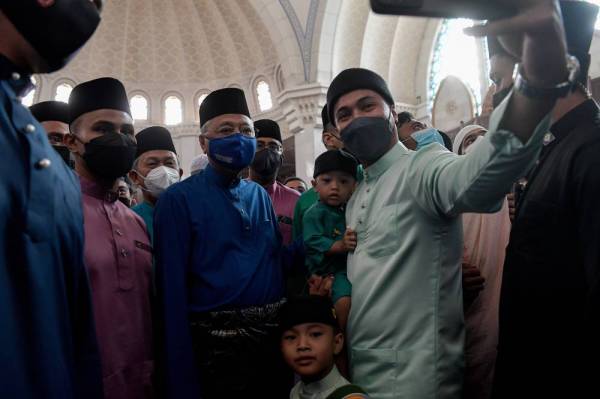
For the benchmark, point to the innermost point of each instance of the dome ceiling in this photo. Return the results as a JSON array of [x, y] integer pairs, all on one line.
[[147, 41]]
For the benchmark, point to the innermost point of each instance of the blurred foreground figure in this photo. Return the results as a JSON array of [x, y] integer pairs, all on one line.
[[47, 339], [550, 301]]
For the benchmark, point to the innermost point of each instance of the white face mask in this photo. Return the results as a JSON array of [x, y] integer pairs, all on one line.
[[159, 179], [473, 145]]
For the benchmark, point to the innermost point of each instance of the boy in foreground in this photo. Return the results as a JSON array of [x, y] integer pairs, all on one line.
[[310, 341]]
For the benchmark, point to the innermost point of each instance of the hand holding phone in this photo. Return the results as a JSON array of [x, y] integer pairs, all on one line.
[[535, 36]]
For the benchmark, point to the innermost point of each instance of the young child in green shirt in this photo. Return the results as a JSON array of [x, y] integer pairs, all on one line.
[[326, 239]]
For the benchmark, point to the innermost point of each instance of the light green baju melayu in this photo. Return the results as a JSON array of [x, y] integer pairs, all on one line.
[[405, 327]]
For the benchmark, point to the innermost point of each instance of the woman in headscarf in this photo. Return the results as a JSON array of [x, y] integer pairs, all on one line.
[[485, 240]]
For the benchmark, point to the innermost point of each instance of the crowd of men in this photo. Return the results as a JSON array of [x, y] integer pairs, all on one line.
[[119, 279]]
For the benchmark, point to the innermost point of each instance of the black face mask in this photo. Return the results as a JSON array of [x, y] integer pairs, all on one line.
[[367, 138], [72, 23], [500, 96], [266, 163], [64, 153], [110, 155], [126, 201]]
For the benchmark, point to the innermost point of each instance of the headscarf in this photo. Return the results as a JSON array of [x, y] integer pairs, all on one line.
[[463, 134], [199, 163]]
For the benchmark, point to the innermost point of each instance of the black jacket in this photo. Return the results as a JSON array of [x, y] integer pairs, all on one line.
[[549, 336]]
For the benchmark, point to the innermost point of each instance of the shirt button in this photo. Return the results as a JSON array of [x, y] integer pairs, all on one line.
[[368, 190], [30, 128], [119, 233], [360, 222], [363, 206], [43, 164], [16, 76], [124, 252], [247, 227]]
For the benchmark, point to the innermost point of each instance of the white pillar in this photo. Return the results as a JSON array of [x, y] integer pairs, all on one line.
[[308, 145], [302, 111]]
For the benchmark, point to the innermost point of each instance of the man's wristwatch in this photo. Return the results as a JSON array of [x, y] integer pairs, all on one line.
[[560, 90]]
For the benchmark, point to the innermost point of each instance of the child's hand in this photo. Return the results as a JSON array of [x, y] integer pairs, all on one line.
[[320, 285], [350, 239]]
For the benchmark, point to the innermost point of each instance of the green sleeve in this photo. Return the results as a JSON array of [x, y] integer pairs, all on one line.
[[297, 222], [306, 200], [316, 243]]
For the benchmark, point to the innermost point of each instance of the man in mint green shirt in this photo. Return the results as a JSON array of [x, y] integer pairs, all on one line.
[[155, 169], [405, 327]]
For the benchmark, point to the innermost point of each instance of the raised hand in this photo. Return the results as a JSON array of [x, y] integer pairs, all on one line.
[[535, 36]]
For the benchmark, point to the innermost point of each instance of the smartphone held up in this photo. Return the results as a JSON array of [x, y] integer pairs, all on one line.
[[472, 9]]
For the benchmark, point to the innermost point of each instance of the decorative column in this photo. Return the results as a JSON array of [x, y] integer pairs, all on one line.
[[185, 137], [301, 107]]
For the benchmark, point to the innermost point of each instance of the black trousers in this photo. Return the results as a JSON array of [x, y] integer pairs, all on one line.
[[238, 353]]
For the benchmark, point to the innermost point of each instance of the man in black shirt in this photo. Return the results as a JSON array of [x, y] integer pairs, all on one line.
[[550, 301]]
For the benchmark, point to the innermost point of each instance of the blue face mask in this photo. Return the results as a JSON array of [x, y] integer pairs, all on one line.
[[233, 152], [427, 136]]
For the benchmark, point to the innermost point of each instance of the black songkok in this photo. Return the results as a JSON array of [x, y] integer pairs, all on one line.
[[580, 20], [102, 93], [355, 79], [154, 138], [221, 102], [325, 117], [50, 111], [267, 128], [307, 309], [335, 160]]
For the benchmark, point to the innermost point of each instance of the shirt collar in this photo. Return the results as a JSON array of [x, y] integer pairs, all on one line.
[[385, 162], [330, 381], [336, 209], [584, 111], [93, 189], [17, 78], [213, 176], [271, 187], [147, 205]]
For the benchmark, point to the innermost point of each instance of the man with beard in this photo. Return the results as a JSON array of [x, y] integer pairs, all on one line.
[[47, 336], [118, 255], [264, 169]]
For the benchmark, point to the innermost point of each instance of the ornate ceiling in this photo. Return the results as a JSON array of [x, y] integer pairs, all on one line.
[[142, 41]]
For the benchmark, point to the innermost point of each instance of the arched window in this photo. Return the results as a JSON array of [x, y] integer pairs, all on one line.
[[263, 92], [173, 111], [63, 91], [458, 55], [139, 107], [28, 99], [199, 100]]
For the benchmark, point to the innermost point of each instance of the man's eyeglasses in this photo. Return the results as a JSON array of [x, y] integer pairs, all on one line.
[[55, 138]]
